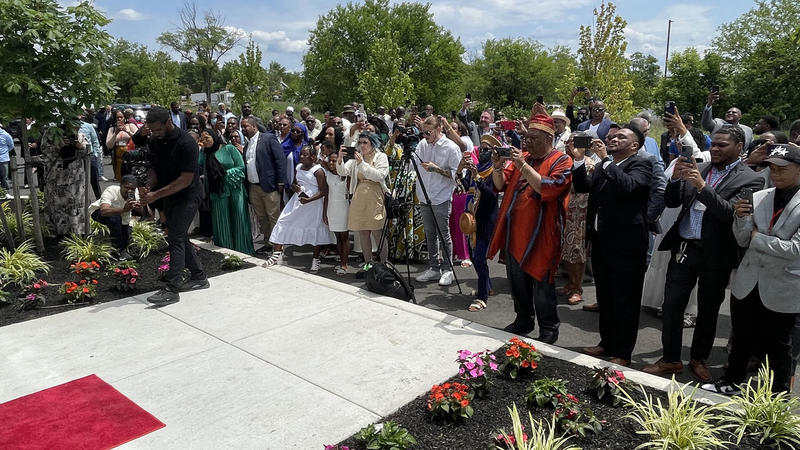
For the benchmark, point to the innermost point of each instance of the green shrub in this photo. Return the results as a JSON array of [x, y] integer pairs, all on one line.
[[682, 424], [546, 392], [391, 436], [231, 262], [11, 218], [86, 248], [20, 267], [766, 415], [145, 238], [98, 229], [542, 437]]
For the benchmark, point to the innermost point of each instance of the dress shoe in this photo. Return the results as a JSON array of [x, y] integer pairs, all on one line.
[[700, 370], [593, 307], [548, 338], [662, 367], [594, 351], [620, 361], [519, 327]]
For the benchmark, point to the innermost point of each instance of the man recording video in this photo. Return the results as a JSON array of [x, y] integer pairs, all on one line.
[[174, 178], [113, 209]]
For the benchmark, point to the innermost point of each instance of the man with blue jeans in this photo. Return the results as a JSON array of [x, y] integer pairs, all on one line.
[[437, 157], [96, 153], [6, 146], [174, 178]]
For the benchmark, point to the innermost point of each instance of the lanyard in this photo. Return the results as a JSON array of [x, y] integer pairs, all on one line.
[[775, 217], [710, 179]]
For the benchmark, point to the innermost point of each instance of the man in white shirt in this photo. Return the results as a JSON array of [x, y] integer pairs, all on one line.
[[113, 209], [438, 158]]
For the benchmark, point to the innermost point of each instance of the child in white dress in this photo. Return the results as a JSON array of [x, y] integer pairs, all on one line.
[[336, 205]]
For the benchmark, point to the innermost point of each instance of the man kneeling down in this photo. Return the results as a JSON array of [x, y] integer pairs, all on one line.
[[113, 209]]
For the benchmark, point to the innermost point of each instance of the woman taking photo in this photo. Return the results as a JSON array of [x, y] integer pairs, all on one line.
[[301, 222], [119, 139], [224, 169], [297, 139], [367, 171]]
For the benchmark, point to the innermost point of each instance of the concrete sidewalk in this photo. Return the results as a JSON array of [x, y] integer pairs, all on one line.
[[265, 358]]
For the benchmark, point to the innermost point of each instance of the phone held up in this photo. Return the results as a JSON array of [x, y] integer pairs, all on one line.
[[581, 140], [503, 152], [540, 99], [349, 153], [468, 96], [669, 108], [747, 194], [508, 125]]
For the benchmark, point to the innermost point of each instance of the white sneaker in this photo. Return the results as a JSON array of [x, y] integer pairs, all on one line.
[[314, 265], [447, 278], [104, 179], [428, 275]]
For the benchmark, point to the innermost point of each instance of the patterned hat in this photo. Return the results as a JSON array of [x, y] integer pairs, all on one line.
[[782, 154], [542, 122]]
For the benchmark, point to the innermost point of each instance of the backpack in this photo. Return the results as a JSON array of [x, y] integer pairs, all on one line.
[[384, 279]]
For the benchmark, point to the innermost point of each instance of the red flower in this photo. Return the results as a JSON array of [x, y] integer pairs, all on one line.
[[94, 281], [86, 290], [464, 403]]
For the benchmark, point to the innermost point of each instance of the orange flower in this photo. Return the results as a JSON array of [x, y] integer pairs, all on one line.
[[525, 363], [94, 281], [534, 365], [438, 396], [84, 265], [464, 403], [86, 290]]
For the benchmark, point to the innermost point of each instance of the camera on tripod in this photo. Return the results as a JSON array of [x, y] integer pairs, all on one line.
[[137, 163], [409, 138]]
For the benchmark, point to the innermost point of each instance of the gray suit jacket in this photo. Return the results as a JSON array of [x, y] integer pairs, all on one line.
[[773, 256]]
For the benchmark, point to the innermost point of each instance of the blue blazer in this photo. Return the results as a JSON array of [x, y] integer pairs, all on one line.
[[270, 162], [602, 130]]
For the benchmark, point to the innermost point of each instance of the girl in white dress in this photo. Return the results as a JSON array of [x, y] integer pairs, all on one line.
[[336, 205], [301, 222]]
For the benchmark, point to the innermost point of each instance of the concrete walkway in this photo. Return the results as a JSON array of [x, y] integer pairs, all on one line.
[[265, 358]]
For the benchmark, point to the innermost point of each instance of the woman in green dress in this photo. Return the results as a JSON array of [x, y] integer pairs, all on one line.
[[224, 168]]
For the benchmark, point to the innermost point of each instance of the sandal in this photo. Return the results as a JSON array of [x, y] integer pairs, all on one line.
[[341, 270], [574, 299], [477, 305], [275, 259], [466, 263]]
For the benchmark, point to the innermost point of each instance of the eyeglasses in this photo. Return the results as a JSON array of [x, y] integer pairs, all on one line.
[[427, 133]]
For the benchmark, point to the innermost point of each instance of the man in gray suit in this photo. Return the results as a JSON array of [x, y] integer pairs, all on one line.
[[764, 299], [732, 116]]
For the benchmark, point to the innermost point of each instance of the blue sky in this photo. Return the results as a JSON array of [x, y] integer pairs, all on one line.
[[281, 28]]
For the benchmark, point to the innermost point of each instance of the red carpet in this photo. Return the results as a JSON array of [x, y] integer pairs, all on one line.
[[86, 413]]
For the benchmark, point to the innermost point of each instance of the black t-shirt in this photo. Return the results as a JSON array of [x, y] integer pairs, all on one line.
[[173, 155]]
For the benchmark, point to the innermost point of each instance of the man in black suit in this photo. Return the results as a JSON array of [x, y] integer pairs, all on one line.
[[618, 189], [265, 168], [704, 250]]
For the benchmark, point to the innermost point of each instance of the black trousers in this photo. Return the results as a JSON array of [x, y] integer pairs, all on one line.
[[757, 329], [120, 234], [532, 298], [181, 252], [681, 279], [619, 278]]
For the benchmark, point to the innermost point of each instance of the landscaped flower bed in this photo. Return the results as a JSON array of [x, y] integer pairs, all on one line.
[[67, 286], [578, 402]]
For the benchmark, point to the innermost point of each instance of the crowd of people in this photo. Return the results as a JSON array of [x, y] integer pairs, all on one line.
[[669, 226]]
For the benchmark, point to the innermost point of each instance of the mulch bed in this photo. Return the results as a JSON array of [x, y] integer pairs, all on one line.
[[491, 414], [60, 273]]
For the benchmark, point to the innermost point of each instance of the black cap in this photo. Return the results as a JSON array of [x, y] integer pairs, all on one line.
[[782, 154]]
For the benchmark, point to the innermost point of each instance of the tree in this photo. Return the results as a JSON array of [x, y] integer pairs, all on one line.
[[343, 40], [603, 65], [54, 61], [201, 42], [130, 63], [383, 83], [644, 71], [160, 82], [249, 79]]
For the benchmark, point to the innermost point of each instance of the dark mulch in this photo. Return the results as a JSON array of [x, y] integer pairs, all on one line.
[[60, 273], [491, 414]]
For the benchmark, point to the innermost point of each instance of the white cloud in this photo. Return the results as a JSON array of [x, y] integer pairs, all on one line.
[[692, 26], [274, 41], [129, 14]]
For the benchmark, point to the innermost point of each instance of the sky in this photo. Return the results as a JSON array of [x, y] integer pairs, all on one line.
[[281, 28]]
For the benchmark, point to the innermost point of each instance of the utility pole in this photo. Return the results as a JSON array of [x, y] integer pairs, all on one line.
[[666, 58]]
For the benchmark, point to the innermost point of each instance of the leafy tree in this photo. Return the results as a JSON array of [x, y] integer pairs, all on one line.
[[690, 80], [130, 61], [160, 85], [766, 21], [54, 61], [224, 75], [249, 79], [603, 65], [201, 42], [189, 77], [343, 40], [384, 83], [644, 71]]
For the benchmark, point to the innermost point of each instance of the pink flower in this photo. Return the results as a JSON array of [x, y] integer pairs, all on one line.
[[30, 297], [132, 281], [37, 286], [125, 271], [461, 371], [613, 380], [619, 374], [493, 365]]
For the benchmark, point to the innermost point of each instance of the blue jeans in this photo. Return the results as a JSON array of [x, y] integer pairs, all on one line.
[[4, 174], [478, 256]]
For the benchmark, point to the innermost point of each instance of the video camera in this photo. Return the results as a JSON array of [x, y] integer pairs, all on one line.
[[409, 138], [137, 163]]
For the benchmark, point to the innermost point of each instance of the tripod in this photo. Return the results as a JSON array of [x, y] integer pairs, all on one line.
[[404, 207]]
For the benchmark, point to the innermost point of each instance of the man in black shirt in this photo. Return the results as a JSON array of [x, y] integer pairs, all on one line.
[[174, 180]]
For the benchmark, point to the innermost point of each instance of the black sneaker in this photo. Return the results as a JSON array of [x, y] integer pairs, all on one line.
[[193, 285], [722, 386], [164, 297]]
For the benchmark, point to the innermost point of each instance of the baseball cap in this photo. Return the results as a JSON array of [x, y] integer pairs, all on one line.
[[782, 154]]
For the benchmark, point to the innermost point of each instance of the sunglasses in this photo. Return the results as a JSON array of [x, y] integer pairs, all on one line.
[[598, 109], [427, 133]]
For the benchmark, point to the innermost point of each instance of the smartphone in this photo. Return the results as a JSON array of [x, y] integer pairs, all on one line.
[[302, 195], [132, 195], [747, 194], [453, 113], [582, 141], [669, 107], [503, 152], [540, 99], [581, 89], [492, 125], [468, 96], [508, 125], [715, 89], [349, 153], [687, 153]]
